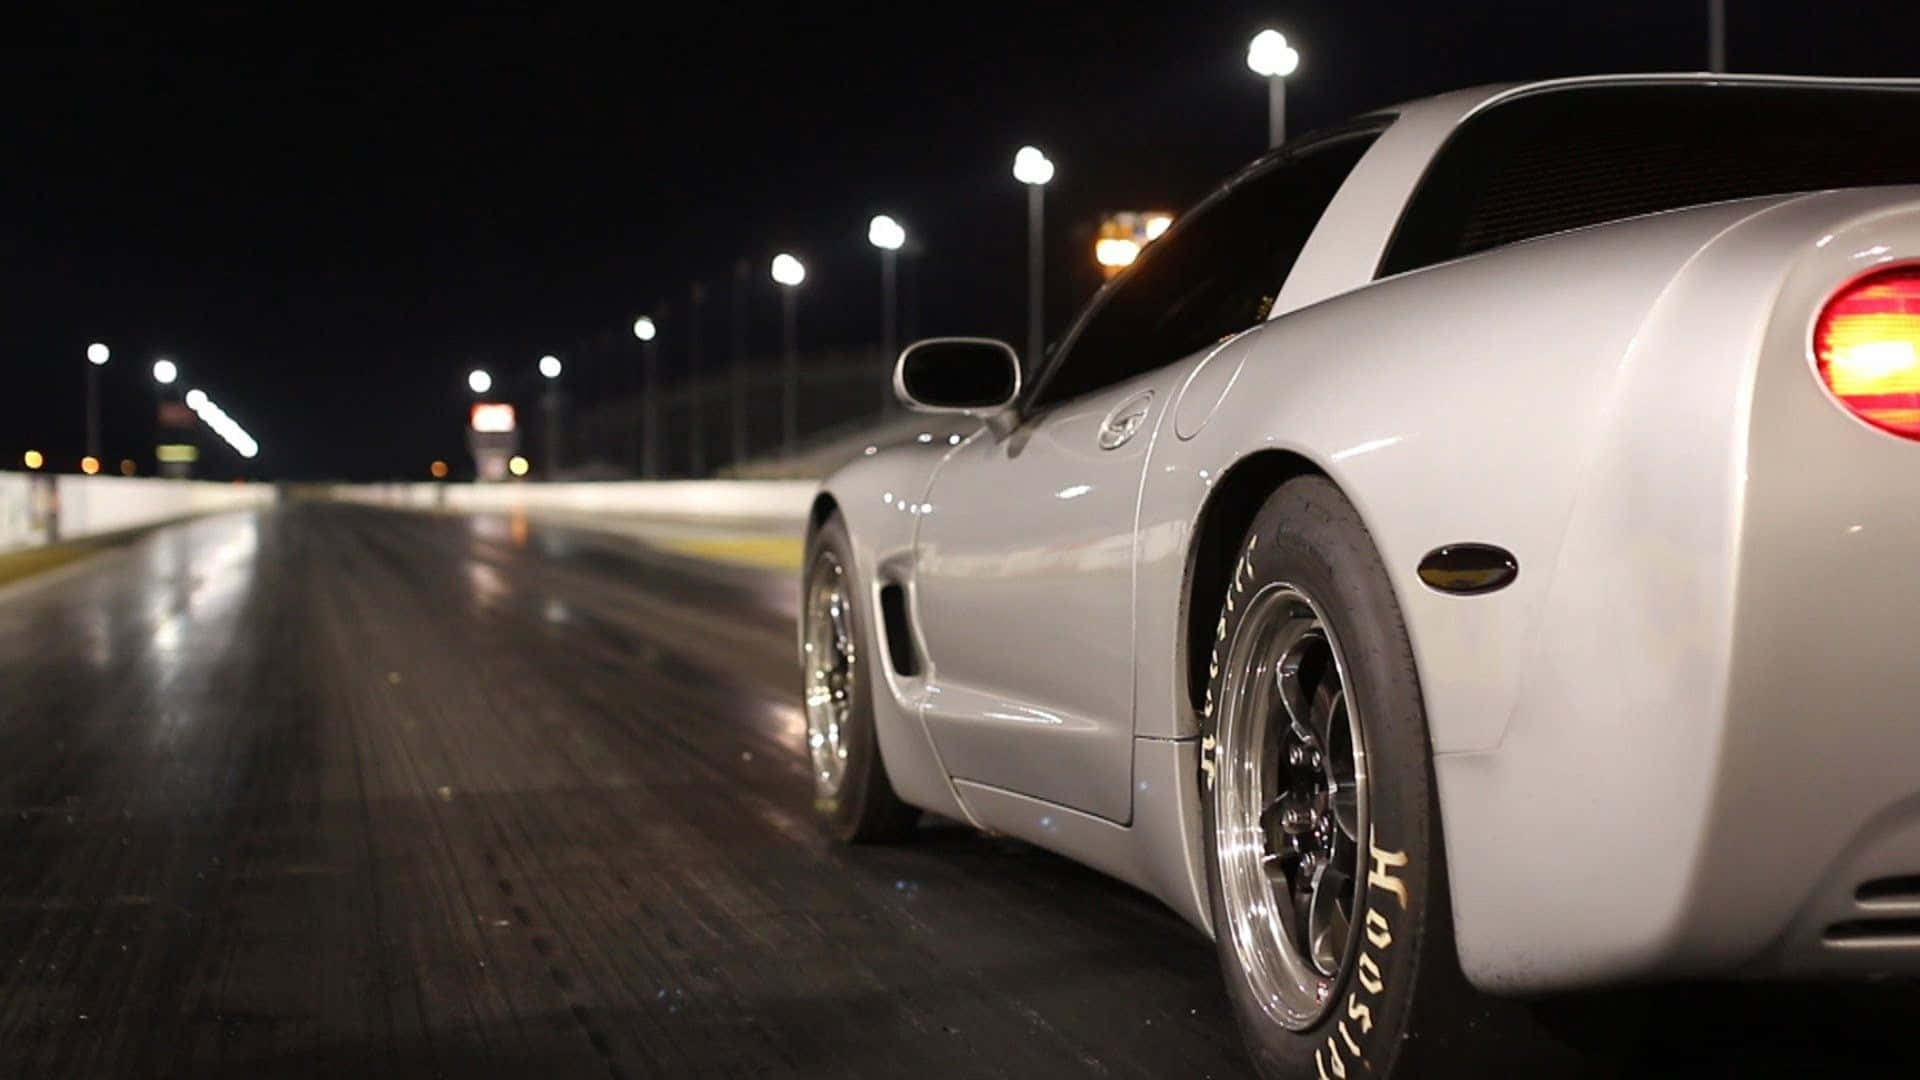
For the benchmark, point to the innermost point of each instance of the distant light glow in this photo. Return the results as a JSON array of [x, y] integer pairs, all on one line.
[[550, 366], [127, 467], [438, 470], [1269, 54], [33, 459], [1030, 166], [1115, 251], [90, 465], [1157, 225], [788, 270], [491, 417], [517, 465], [97, 354], [885, 233], [479, 381], [165, 371], [644, 329], [223, 425]]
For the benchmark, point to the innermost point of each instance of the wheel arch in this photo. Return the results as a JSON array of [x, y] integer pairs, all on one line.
[[1224, 519]]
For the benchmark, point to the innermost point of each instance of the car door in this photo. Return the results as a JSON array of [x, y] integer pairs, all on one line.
[[1024, 557]]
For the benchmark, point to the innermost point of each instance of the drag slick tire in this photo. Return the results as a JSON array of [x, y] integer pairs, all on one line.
[[1322, 838], [852, 795]]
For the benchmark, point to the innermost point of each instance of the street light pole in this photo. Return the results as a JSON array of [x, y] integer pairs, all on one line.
[[696, 414], [889, 236], [1269, 54], [1716, 35], [1032, 168], [550, 367], [742, 276], [97, 355], [788, 273], [646, 331]]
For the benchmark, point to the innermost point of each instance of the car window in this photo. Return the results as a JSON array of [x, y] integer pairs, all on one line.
[[1562, 159], [1215, 273]]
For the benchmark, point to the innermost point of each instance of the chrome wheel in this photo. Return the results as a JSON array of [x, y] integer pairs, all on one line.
[[1290, 804], [832, 667]]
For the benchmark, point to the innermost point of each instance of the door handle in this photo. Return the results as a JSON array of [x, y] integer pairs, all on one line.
[[1124, 422]]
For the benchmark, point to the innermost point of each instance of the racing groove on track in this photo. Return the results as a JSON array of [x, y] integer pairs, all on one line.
[[332, 791]]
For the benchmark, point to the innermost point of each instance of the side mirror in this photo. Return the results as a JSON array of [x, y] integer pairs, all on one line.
[[971, 376]]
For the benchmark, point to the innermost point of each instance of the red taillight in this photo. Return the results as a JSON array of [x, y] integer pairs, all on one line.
[[1867, 347]]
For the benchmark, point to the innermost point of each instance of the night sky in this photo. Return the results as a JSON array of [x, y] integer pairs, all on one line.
[[328, 222]]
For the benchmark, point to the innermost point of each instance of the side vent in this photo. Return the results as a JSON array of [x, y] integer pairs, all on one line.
[[1889, 889], [1875, 932], [893, 609]]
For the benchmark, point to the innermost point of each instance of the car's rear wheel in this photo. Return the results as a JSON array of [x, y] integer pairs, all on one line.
[[1324, 854], [852, 795]]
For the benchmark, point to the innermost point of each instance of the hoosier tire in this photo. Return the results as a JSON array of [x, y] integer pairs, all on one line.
[[1324, 855]]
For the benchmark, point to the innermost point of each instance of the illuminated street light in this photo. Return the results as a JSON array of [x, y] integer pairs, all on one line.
[[1115, 251], [90, 465], [789, 272], [1030, 166], [33, 459], [885, 233], [1034, 169], [644, 329], [479, 381], [1268, 54], [550, 366], [889, 236], [517, 465], [165, 371]]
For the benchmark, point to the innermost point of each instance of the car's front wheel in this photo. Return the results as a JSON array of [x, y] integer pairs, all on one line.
[[852, 795]]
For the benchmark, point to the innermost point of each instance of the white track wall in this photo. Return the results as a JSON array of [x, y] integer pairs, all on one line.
[[694, 500], [89, 505]]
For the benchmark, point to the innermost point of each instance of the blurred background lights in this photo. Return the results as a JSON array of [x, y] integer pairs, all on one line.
[[1030, 166], [1157, 224], [788, 270], [127, 467], [550, 366], [97, 354], [479, 381], [32, 459], [164, 372], [644, 329], [1269, 54], [885, 233], [517, 465], [1115, 251], [90, 465], [196, 399], [438, 470]]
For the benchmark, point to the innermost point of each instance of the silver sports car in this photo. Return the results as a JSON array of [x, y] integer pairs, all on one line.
[[1470, 555]]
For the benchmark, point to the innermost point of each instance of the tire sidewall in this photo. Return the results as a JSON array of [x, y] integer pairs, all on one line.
[[1309, 537], [843, 813]]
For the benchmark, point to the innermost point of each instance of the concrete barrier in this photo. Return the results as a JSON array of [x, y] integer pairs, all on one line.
[[686, 500], [36, 508]]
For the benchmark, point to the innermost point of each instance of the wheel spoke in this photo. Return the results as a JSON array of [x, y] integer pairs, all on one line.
[[1326, 920], [1288, 639]]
